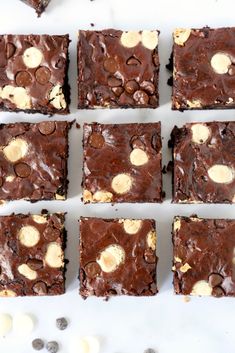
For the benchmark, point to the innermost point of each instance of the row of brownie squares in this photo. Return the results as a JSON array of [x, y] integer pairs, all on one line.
[[117, 69], [117, 256], [121, 163]]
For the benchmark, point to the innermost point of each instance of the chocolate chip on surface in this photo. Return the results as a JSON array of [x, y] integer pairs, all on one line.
[[51, 233], [23, 170], [40, 288], [38, 344], [61, 323], [43, 75], [47, 127], [23, 79], [131, 86], [92, 269], [141, 97], [10, 50], [114, 82], [52, 347], [110, 65], [96, 140], [215, 279], [35, 264]]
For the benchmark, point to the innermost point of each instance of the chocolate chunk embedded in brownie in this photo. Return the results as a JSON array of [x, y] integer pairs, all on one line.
[[118, 69], [117, 257]]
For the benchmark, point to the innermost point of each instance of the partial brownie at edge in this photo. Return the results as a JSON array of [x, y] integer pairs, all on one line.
[[204, 163], [203, 73], [33, 159], [32, 255], [118, 69], [122, 163], [34, 73], [204, 256], [117, 257], [38, 5]]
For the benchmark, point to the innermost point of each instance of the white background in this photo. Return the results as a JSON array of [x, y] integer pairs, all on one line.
[[124, 324]]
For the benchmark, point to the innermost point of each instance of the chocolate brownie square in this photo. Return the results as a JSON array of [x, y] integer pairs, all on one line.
[[117, 257], [204, 163], [204, 256], [122, 163], [118, 69], [34, 73], [32, 254], [203, 68]]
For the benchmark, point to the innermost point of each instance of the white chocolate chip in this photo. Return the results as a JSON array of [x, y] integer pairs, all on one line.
[[185, 268], [221, 174], [152, 239], [195, 103], [56, 97], [177, 259], [138, 157], [132, 226], [102, 196], [15, 150], [86, 344], [59, 197], [220, 63], [111, 258], [16, 95], [200, 133], [27, 272], [130, 39], [10, 178], [29, 236], [5, 324], [93, 344], [23, 324], [121, 183], [181, 35], [177, 224], [32, 57], [7, 293], [87, 196], [54, 255], [7, 92], [39, 219], [201, 288], [149, 39]]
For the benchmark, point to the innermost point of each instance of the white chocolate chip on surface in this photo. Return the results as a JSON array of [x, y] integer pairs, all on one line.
[[177, 224], [102, 196], [54, 255], [111, 258], [23, 324], [87, 196], [195, 103], [27, 272], [10, 178], [200, 133], [184, 268], [221, 174], [86, 344], [121, 183], [177, 259], [138, 157], [59, 197], [201, 288], [7, 92], [29, 236], [16, 149], [132, 226], [149, 39], [17, 96], [32, 57], [39, 219], [220, 63], [130, 39], [7, 293], [181, 35], [152, 239], [56, 97], [5, 324]]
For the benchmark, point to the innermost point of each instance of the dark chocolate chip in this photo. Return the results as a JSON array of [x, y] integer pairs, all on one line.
[[218, 292], [141, 97], [110, 65], [23, 79], [96, 140], [148, 87], [131, 86], [40, 288], [10, 50], [35, 264], [43, 75], [133, 61], [125, 99], [47, 127], [61, 323], [22, 170], [150, 256], [215, 279], [117, 91], [92, 269], [114, 82], [38, 344], [52, 347], [51, 233]]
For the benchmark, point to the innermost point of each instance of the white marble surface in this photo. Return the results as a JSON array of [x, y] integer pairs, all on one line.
[[125, 325]]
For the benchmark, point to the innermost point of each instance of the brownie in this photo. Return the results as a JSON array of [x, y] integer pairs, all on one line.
[[204, 163], [118, 69], [38, 5], [34, 73], [203, 68], [117, 257], [122, 163], [204, 256], [33, 161], [32, 254]]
